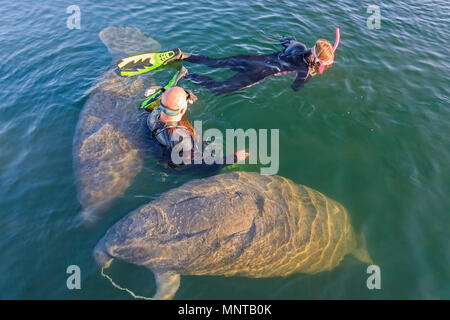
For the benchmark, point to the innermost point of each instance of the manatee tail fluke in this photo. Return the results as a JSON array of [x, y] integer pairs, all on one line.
[[145, 62], [167, 284], [361, 252], [126, 41]]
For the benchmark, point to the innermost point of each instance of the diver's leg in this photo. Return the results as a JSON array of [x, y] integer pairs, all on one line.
[[238, 81], [236, 63], [204, 81]]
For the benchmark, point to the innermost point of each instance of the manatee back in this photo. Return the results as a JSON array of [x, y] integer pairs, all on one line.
[[111, 134], [236, 224], [204, 222], [293, 229]]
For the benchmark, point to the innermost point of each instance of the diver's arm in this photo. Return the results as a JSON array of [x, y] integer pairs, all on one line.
[[237, 157], [299, 82], [295, 48]]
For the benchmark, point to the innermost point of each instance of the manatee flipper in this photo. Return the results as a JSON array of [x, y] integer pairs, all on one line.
[[167, 284], [361, 252], [93, 212]]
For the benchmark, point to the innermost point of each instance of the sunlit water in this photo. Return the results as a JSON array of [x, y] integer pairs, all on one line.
[[371, 133]]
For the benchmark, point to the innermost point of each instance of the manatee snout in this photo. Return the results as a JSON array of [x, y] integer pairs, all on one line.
[[102, 258]]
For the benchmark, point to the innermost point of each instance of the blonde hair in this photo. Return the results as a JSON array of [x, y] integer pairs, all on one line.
[[324, 51]]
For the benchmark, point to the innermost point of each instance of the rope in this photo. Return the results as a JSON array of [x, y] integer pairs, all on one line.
[[123, 289]]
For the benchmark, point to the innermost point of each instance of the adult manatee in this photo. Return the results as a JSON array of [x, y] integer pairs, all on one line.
[[111, 133], [238, 223]]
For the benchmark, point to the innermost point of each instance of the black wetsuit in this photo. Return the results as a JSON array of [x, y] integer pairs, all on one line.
[[252, 69]]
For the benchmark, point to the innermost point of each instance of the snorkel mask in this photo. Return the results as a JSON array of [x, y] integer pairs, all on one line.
[[322, 64], [171, 112]]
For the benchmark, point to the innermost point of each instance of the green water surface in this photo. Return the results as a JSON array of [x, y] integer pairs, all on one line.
[[371, 133]]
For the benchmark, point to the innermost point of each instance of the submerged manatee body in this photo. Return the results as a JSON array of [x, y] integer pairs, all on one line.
[[238, 223], [111, 134]]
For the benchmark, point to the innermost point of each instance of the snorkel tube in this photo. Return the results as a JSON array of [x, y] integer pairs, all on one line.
[[336, 43]]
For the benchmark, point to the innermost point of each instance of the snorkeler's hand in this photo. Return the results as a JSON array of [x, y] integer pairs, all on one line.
[[240, 156], [285, 42], [191, 97], [152, 90], [299, 82]]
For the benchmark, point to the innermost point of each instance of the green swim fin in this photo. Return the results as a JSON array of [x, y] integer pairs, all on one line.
[[232, 167], [152, 101], [142, 63]]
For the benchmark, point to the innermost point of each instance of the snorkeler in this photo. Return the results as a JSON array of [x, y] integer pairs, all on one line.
[[176, 135], [251, 69]]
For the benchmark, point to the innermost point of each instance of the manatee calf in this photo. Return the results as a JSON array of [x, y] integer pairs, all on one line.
[[238, 223], [111, 133]]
